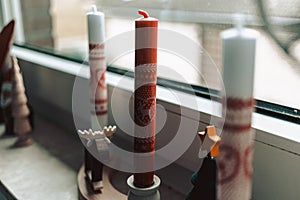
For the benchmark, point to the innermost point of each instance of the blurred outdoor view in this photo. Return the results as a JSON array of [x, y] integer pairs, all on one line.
[[61, 25]]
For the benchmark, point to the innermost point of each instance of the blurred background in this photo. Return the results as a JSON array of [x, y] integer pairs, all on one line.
[[59, 27]]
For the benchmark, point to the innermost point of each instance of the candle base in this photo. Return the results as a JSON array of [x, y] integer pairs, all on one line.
[[150, 193]]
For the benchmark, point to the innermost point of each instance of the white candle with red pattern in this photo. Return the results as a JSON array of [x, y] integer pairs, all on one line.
[[236, 146], [98, 90]]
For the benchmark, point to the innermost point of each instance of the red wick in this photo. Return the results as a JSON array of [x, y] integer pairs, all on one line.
[[144, 13]]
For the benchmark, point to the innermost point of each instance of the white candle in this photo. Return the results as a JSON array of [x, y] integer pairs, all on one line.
[[98, 90], [238, 60], [236, 146], [95, 26]]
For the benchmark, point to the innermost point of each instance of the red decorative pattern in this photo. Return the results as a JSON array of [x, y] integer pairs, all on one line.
[[143, 145], [145, 103], [96, 46], [238, 103], [229, 164], [236, 128], [98, 101], [235, 159], [248, 161], [98, 89], [101, 82], [96, 53], [238, 114], [98, 77], [99, 112]]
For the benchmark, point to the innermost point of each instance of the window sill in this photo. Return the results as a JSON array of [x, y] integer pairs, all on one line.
[[263, 124]]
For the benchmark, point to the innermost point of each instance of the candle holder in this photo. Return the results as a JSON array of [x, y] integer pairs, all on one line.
[[100, 141], [205, 180], [148, 193]]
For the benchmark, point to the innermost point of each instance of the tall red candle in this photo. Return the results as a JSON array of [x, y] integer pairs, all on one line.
[[145, 93]]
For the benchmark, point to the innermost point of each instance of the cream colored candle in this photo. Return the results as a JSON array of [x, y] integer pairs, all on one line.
[[98, 90], [236, 146]]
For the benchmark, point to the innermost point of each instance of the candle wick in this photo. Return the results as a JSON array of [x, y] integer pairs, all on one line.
[[94, 8], [239, 22], [143, 13]]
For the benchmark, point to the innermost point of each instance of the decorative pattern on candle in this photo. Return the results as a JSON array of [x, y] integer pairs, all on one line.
[[238, 115], [145, 93], [235, 164], [97, 62], [235, 158], [145, 101], [97, 81]]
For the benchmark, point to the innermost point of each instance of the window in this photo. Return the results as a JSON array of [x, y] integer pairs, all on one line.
[[59, 27]]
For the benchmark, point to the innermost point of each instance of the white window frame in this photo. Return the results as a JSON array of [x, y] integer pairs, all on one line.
[[11, 9]]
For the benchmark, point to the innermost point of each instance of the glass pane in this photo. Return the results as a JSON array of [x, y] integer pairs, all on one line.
[[38, 23], [60, 26]]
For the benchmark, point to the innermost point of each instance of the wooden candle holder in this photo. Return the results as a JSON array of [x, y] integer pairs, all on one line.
[[93, 167], [205, 180]]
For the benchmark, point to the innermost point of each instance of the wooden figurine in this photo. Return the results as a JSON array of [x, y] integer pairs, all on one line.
[[205, 180], [5, 77], [99, 141], [20, 110]]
